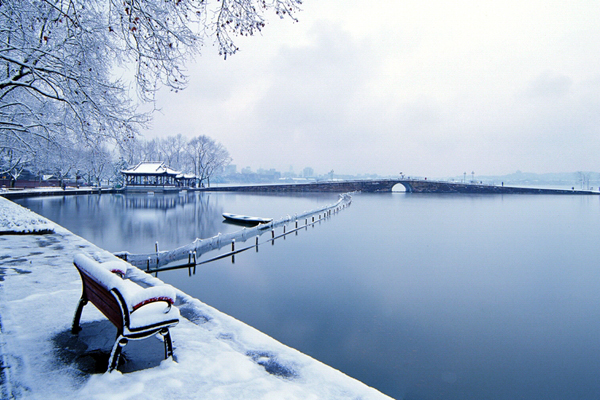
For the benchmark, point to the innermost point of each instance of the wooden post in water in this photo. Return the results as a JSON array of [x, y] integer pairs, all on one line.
[[233, 250], [195, 262]]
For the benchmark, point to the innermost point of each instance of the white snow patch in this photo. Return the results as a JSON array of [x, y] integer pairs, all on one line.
[[17, 219]]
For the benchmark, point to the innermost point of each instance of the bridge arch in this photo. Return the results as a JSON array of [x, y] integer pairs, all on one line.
[[400, 187]]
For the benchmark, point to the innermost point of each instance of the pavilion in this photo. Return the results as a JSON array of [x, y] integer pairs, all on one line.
[[156, 176]]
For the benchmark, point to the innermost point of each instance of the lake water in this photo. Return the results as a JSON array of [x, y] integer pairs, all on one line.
[[420, 296]]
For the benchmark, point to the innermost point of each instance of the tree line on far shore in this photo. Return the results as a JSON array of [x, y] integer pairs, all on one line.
[[201, 156]]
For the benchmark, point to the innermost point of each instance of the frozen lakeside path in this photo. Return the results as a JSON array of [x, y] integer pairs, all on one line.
[[217, 356]]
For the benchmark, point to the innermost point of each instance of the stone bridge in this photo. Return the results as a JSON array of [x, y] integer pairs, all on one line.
[[386, 185]]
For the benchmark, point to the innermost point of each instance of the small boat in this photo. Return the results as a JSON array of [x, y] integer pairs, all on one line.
[[245, 219]]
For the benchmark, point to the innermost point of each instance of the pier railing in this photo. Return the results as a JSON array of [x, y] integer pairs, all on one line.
[[191, 253]]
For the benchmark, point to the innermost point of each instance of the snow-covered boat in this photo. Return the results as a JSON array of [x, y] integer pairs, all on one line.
[[245, 219]]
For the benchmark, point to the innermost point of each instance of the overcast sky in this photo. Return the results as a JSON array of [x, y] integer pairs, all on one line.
[[428, 88]]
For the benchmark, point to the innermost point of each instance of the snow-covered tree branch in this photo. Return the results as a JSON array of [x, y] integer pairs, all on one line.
[[57, 60]]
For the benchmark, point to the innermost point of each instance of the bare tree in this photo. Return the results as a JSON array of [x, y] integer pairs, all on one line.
[[584, 178], [59, 160], [206, 157], [56, 59], [150, 150], [97, 164], [55, 82], [13, 163], [172, 149], [130, 151]]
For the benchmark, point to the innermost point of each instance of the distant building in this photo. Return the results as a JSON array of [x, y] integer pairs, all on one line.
[[308, 172], [153, 176], [26, 180]]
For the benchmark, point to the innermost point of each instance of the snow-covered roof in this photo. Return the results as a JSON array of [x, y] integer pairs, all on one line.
[[151, 168]]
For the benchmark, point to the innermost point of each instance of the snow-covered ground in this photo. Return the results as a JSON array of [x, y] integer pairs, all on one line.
[[16, 219], [216, 356]]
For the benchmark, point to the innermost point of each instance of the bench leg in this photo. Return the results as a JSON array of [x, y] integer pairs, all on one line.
[[168, 344], [76, 328], [115, 355]]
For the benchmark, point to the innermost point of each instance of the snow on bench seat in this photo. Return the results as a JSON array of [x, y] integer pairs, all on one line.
[[137, 312]]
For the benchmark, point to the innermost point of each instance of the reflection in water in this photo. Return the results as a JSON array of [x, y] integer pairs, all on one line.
[[134, 222], [162, 202], [421, 296]]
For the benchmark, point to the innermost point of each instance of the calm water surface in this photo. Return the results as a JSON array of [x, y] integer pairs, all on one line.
[[420, 296]]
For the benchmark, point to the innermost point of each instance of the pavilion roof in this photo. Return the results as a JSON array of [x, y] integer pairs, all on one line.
[[151, 168]]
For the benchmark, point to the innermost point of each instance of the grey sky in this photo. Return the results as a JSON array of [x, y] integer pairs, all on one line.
[[429, 88]]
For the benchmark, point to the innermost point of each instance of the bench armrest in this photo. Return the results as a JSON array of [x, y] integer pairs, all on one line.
[[135, 296], [116, 267]]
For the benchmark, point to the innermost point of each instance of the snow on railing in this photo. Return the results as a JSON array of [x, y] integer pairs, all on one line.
[[192, 251]]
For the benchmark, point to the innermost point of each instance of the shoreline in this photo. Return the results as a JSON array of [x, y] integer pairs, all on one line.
[[216, 355]]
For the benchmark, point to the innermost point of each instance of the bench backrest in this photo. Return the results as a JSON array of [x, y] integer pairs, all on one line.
[[102, 298], [98, 281]]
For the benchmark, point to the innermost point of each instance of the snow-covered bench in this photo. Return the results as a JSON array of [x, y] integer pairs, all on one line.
[[137, 312]]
